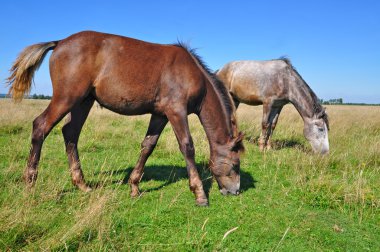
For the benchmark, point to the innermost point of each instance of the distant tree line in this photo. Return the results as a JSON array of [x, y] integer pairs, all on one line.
[[40, 97], [331, 101], [34, 96], [340, 101]]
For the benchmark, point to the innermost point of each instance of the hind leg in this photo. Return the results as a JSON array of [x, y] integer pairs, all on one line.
[[71, 131], [156, 125], [42, 126]]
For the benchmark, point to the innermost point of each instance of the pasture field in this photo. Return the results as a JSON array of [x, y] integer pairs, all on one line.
[[292, 200]]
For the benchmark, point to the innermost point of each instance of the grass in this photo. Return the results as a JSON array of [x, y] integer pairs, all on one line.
[[292, 200]]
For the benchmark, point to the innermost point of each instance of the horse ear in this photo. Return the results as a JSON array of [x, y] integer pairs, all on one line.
[[322, 113], [237, 143]]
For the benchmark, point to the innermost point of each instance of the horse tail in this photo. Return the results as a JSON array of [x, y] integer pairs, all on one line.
[[22, 71]]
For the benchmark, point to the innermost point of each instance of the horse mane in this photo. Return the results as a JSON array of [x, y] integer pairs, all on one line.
[[317, 107], [222, 91], [218, 84]]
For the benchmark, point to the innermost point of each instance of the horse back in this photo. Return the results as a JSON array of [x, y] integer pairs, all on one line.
[[256, 82], [126, 75]]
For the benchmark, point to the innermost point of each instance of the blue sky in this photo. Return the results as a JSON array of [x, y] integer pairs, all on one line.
[[335, 45]]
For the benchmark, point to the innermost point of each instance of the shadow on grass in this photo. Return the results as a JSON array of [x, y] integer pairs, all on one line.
[[280, 144], [291, 143], [171, 174]]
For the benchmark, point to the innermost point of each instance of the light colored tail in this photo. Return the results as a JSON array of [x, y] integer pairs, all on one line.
[[22, 71]]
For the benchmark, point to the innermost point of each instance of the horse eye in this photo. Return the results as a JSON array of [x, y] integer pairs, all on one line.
[[321, 129]]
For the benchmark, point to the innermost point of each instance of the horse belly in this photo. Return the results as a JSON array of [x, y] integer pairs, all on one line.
[[246, 92], [124, 100]]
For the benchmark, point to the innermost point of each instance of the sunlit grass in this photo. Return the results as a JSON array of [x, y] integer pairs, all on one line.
[[292, 200]]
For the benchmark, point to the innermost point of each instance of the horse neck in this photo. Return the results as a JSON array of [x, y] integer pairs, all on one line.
[[216, 120], [302, 97]]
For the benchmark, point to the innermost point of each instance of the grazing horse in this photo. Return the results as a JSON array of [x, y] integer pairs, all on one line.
[[273, 84], [132, 77]]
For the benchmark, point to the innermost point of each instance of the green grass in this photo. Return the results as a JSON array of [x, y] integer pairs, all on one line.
[[292, 200]]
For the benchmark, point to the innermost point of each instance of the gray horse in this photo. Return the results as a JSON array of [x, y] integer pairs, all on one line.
[[273, 84]]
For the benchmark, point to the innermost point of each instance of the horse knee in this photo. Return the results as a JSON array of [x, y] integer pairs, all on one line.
[[187, 148], [38, 132], [149, 143], [265, 125]]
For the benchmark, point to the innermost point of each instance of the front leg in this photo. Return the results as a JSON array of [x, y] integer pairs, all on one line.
[[273, 118], [179, 122], [156, 125], [270, 118], [265, 126]]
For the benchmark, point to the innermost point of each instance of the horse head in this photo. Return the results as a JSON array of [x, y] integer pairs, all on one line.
[[226, 165], [316, 132]]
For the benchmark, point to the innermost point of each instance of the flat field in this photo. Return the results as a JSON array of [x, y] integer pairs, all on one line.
[[292, 200]]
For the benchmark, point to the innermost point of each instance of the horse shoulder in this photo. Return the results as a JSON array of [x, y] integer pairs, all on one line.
[[181, 83]]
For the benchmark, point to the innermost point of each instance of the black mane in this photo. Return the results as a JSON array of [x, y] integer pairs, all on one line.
[[218, 84]]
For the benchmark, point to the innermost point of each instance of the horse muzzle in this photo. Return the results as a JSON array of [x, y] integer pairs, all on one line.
[[225, 192]]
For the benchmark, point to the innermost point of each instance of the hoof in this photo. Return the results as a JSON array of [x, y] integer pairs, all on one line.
[[84, 188], [262, 148], [135, 194], [30, 178], [202, 202], [30, 183]]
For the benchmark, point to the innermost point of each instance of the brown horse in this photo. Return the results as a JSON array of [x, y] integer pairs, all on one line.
[[275, 83], [132, 77]]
